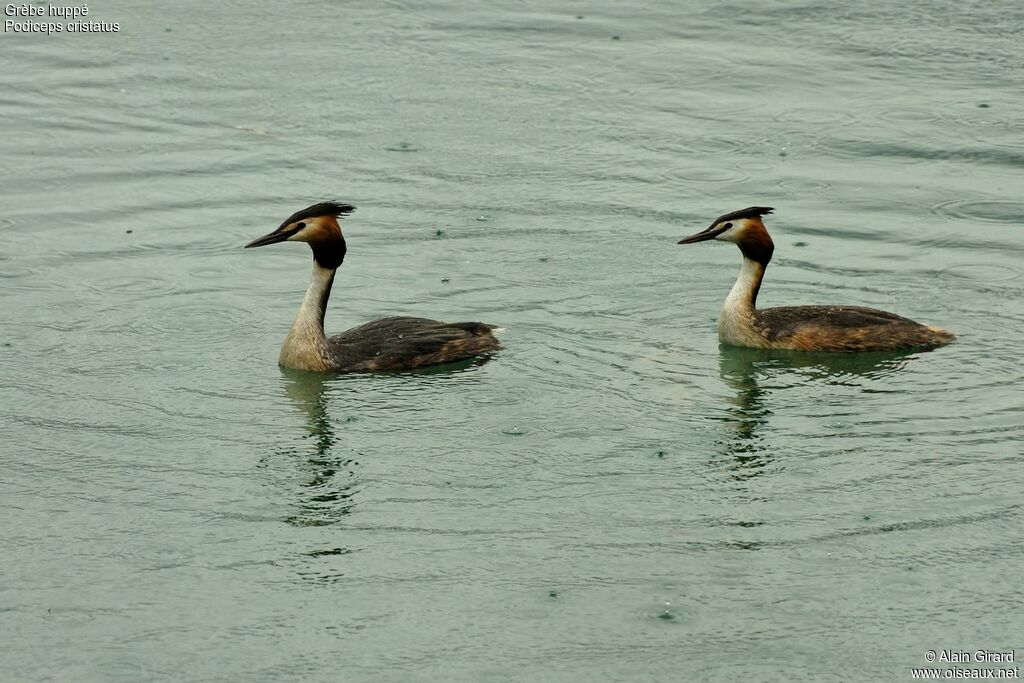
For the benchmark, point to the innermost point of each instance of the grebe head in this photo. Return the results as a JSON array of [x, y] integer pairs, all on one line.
[[744, 228], [316, 225]]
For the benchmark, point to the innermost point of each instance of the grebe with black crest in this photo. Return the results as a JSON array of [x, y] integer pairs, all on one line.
[[385, 345], [804, 328]]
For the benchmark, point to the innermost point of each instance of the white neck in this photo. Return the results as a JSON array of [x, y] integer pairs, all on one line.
[[743, 295], [736, 323], [305, 345]]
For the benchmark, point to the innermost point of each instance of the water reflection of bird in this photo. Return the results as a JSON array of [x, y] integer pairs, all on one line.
[[388, 344], [747, 416], [744, 370], [329, 484], [804, 328]]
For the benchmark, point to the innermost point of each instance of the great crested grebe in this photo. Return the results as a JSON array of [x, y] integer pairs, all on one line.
[[803, 328], [388, 344]]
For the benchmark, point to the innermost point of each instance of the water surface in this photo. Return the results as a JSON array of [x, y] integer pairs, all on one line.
[[612, 497]]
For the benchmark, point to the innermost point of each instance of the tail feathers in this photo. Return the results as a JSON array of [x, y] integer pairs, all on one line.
[[478, 329], [941, 335]]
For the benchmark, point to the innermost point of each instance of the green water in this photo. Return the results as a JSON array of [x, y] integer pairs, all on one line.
[[612, 497]]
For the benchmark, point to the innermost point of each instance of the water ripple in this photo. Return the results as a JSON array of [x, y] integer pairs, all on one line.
[[988, 210], [820, 118], [983, 272]]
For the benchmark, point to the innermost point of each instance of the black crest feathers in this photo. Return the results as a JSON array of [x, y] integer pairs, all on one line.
[[749, 212], [335, 209]]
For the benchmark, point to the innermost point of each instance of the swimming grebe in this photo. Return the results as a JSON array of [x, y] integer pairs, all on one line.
[[804, 328], [388, 344]]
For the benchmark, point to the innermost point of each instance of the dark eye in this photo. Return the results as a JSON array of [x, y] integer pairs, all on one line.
[[300, 226], [727, 226]]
